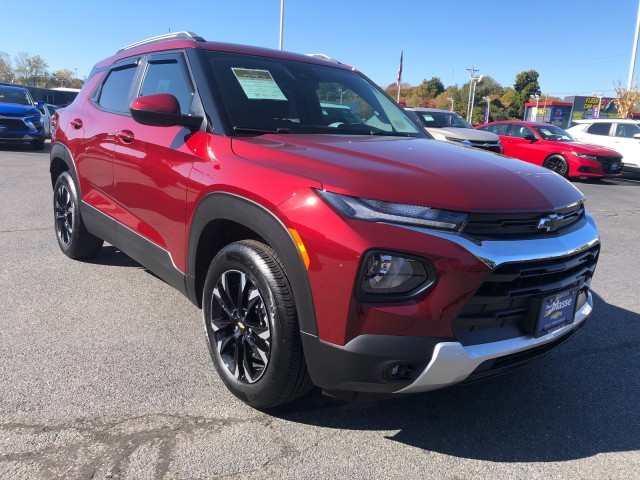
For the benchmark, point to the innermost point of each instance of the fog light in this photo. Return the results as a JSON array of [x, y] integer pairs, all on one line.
[[391, 276]]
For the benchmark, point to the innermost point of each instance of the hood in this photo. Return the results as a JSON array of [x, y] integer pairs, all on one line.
[[414, 171], [17, 109], [466, 134], [589, 148]]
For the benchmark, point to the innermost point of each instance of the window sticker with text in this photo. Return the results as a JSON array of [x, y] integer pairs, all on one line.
[[258, 84]]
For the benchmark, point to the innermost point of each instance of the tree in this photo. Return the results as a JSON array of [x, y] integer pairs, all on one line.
[[6, 72], [61, 78], [627, 99], [526, 84], [39, 73], [22, 70]]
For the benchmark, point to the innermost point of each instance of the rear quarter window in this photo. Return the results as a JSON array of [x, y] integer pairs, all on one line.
[[114, 94]]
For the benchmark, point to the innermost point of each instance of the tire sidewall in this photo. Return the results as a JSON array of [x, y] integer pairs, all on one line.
[[245, 259], [71, 249]]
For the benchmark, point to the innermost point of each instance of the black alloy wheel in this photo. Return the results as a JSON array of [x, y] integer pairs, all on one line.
[[251, 322], [73, 238], [241, 326], [557, 163]]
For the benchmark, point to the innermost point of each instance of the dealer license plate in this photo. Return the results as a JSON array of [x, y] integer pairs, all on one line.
[[615, 166], [556, 310]]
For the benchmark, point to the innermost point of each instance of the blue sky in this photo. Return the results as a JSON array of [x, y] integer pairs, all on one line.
[[577, 46]]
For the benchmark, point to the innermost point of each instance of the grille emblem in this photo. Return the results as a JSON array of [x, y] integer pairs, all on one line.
[[551, 223]]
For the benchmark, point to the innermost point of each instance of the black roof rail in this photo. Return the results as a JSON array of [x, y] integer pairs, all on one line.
[[162, 38]]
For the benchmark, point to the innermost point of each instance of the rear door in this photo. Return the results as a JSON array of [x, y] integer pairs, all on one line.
[[152, 167]]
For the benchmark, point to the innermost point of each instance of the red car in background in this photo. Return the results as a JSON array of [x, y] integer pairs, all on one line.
[[550, 146]]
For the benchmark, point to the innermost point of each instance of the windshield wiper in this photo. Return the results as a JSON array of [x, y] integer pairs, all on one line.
[[260, 131], [388, 134]]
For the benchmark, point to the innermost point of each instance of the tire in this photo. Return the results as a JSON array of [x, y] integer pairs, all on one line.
[[558, 164], [252, 327], [38, 144], [73, 238]]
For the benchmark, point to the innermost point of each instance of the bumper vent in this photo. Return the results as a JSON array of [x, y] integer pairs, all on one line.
[[501, 307]]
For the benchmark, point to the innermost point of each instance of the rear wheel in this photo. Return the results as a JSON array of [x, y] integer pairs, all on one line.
[[558, 164], [252, 327], [73, 238]]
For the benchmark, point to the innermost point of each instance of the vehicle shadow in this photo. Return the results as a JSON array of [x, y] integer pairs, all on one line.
[[579, 400], [113, 256]]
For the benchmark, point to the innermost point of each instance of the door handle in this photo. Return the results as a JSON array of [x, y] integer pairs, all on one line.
[[76, 123], [125, 136]]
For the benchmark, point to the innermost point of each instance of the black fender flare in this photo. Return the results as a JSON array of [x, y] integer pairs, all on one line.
[[60, 151], [231, 207]]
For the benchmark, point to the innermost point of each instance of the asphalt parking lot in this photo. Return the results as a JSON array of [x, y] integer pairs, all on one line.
[[105, 374]]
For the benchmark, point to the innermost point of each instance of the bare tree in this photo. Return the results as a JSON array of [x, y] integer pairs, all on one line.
[[627, 99], [39, 72], [6, 72], [22, 68]]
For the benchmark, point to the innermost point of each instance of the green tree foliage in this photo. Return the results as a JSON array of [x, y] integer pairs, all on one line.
[[526, 84]]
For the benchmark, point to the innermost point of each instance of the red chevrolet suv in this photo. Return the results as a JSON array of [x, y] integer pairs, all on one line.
[[359, 256]]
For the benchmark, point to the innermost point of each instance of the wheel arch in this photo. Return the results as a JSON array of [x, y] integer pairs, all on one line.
[[222, 218], [62, 161]]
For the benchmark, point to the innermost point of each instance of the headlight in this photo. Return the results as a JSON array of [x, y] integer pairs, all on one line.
[[461, 141], [391, 276], [585, 155], [380, 211]]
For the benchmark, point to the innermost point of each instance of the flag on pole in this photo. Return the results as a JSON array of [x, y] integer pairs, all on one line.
[[400, 68]]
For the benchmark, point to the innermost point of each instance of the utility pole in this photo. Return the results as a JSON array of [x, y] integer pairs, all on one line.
[[472, 71]]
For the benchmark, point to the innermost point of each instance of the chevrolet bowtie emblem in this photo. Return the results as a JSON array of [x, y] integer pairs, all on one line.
[[550, 223]]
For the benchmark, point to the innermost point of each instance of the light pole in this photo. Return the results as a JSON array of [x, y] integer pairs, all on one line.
[[635, 49], [451, 100], [486, 115], [473, 97], [599, 94], [534, 115], [472, 78], [281, 21]]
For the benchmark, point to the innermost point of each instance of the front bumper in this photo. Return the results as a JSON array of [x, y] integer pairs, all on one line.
[[367, 362], [453, 363]]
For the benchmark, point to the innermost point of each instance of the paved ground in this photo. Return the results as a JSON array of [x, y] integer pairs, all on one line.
[[104, 373]]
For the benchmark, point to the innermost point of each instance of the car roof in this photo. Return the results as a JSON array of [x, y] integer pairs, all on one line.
[[517, 122], [184, 40], [12, 87], [603, 120]]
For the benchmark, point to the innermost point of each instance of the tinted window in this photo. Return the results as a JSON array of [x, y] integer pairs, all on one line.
[[627, 130], [519, 131], [263, 94], [599, 129], [500, 129], [114, 95], [168, 77]]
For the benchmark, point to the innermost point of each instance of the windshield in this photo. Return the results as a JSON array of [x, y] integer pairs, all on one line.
[[443, 120], [10, 95], [267, 95], [551, 132]]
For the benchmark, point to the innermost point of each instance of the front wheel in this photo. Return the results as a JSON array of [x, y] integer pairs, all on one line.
[[558, 164], [252, 327]]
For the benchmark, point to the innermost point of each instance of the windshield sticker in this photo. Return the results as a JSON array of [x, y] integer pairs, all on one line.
[[258, 84]]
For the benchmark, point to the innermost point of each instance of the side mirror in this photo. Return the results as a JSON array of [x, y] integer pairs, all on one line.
[[637, 135], [530, 137], [162, 110], [41, 104]]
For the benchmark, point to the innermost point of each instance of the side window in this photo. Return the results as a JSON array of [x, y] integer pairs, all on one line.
[[500, 129], [168, 76], [114, 94], [519, 131], [627, 130], [599, 128]]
